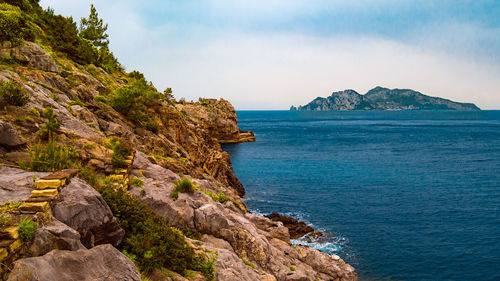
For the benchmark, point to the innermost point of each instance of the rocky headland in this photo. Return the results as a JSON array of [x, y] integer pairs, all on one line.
[[103, 177], [383, 99]]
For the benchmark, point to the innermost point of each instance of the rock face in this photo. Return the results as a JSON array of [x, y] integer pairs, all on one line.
[[30, 54], [16, 184], [83, 209], [383, 99], [55, 235], [250, 247], [99, 263], [296, 228], [9, 136]]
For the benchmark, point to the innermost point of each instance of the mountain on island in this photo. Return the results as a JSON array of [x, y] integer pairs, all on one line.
[[383, 99]]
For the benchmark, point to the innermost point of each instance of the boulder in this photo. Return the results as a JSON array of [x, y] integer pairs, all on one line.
[[82, 208], [55, 236], [16, 184], [33, 55], [296, 228], [103, 262], [9, 136]]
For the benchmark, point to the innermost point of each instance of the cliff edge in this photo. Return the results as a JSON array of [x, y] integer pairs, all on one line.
[[103, 177]]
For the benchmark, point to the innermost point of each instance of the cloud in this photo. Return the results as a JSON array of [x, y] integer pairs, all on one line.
[[269, 56]]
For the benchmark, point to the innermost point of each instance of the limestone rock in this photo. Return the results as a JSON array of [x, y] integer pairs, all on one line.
[[103, 262], [16, 184], [33, 55], [9, 136], [296, 228], [55, 236], [83, 209]]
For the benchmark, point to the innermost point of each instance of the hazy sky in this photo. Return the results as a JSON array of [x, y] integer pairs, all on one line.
[[271, 54]]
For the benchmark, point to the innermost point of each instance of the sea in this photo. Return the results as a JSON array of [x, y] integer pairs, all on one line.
[[400, 195]]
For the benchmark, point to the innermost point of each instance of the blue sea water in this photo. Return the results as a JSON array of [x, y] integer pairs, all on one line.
[[406, 195]]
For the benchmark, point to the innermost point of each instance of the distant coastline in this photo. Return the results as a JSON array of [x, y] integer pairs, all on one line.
[[380, 98]]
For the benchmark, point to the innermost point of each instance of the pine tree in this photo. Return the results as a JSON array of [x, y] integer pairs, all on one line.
[[94, 29]]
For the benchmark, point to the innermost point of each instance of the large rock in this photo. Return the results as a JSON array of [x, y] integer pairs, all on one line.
[[32, 55], [83, 209], [16, 184], [55, 236], [100, 263], [9, 136], [296, 228]]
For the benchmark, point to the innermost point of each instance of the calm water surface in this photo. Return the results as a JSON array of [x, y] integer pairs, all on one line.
[[406, 195]]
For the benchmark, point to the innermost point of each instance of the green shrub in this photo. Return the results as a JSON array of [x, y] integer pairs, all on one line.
[[152, 126], [4, 221], [120, 151], [10, 207], [52, 157], [134, 100], [12, 93], [26, 229], [174, 195], [35, 112], [143, 192], [53, 124], [14, 26], [292, 268], [137, 182], [185, 185], [89, 176], [76, 102], [188, 232], [100, 98], [221, 197], [150, 239]]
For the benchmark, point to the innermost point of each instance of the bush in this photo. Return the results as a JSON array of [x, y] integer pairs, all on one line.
[[53, 124], [147, 236], [184, 185], [12, 93], [120, 151], [4, 221], [26, 229], [10, 207], [52, 157], [134, 100], [100, 98], [14, 26]]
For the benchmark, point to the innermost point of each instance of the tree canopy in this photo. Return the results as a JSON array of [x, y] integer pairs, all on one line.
[[94, 29]]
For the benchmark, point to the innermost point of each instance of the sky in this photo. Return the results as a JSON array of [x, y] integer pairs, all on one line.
[[271, 54]]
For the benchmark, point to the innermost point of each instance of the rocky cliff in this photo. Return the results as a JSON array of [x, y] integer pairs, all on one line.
[[383, 99], [127, 142]]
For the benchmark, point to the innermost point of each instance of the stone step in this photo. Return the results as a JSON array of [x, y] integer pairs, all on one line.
[[41, 199], [50, 192], [63, 174], [9, 233], [51, 183], [34, 207]]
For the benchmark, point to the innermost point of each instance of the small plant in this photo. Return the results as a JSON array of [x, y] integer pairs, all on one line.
[[54, 97], [249, 264], [131, 257], [174, 195], [52, 157], [292, 268], [143, 192], [185, 185], [152, 126], [35, 112], [53, 124], [76, 102], [100, 99], [188, 232], [120, 151], [137, 182], [26, 229], [10, 207], [4, 221], [11, 93], [89, 176]]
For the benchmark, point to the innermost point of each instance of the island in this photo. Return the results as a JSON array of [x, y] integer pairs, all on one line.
[[380, 98]]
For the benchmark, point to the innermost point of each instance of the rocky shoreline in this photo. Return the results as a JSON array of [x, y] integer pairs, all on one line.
[[69, 117]]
